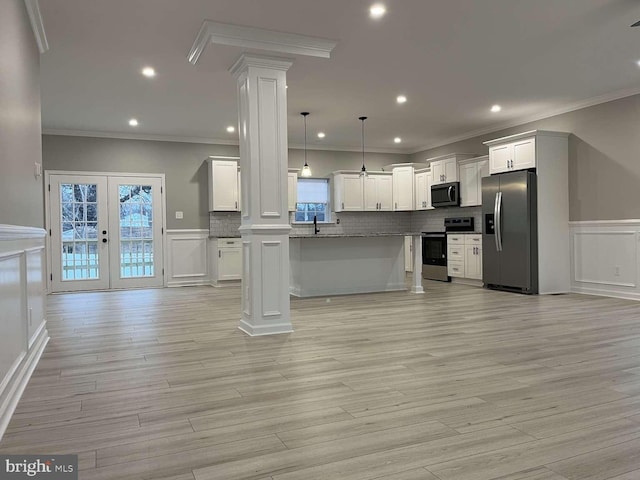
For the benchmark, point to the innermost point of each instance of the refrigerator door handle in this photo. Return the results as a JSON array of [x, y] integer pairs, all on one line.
[[498, 220]]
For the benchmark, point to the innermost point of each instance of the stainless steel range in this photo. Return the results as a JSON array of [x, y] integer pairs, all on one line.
[[434, 248]]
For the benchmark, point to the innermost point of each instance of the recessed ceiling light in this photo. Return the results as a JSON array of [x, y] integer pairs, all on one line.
[[638, 63], [321, 135], [401, 99], [496, 108], [377, 11], [397, 140], [148, 72], [231, 129], [133, 122]]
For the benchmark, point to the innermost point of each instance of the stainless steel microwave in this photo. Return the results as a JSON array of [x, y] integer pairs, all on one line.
[[445, 194]]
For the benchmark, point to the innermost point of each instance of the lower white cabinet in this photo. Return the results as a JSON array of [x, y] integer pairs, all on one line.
[[229, 261], [464, 256]]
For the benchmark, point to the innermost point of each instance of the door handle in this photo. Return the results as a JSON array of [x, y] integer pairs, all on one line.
[[104, 240], [104, 232], [342, 205], [396, 205], [236, 205], [449, 193], [498, 221]]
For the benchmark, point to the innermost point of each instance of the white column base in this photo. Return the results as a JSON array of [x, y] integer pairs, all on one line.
[[259, 330], [416, 281]]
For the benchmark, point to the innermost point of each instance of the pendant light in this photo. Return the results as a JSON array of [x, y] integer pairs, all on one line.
[[364, 169], [306, 170]]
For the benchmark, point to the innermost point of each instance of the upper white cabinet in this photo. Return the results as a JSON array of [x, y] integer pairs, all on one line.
[[292, 189], [423, 182], [445, 171], [348, 192], [516, 155], [223, 184], [444, 168], [403, 180], [378, 192], [471, 173]]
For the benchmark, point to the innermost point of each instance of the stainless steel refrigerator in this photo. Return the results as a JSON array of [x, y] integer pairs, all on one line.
[[510, 237]]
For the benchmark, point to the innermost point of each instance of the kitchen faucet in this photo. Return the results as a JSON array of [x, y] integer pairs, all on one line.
[[316, 230]]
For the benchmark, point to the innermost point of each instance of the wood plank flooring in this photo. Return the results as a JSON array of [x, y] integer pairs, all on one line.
[[458, 384]]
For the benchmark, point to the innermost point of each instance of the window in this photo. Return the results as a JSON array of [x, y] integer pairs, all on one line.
[[313, 200]]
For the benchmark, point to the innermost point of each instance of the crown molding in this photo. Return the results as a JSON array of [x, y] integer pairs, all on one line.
[[245, 61], [208, 141], [137, 136], [572, 107], [37, 25], [258, 38]]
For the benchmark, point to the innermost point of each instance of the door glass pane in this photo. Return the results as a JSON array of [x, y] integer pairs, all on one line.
[[136, 236], [79, 217]]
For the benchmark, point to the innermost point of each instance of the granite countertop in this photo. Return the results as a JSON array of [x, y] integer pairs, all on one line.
[[332, 235]]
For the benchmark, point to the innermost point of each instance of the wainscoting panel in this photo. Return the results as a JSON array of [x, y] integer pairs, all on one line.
[[604, 258], [187, 258], [23, 333]]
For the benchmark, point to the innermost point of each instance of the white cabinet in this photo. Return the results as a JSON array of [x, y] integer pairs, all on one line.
[[473, 262], [292, 189], [517, 155], [445, 170], [471, 174], [422, 189], [403, 184], [464, 256], [223, 185], [378, 192], [229, 264], [348, 192]]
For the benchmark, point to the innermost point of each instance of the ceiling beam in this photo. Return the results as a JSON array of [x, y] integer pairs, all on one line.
[[258, 38]]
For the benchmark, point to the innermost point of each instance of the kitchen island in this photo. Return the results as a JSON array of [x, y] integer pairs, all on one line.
[[338, 264]]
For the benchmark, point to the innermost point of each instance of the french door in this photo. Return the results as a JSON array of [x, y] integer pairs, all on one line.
[[106, 232]]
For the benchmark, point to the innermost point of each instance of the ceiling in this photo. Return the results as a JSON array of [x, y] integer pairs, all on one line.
[[453, 59]]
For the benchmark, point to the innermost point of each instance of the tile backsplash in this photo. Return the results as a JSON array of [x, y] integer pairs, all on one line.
[[226, 224]]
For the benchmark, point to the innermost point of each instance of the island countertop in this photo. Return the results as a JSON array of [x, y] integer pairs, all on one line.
[[335, 235]]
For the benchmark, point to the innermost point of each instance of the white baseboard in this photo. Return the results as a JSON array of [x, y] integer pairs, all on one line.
[[14, 389], [605, 258]]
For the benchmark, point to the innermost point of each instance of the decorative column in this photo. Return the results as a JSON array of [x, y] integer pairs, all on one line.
[[262, 116], [416, 281]]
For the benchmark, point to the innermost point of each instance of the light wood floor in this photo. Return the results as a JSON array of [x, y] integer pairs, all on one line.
[[460, 383]]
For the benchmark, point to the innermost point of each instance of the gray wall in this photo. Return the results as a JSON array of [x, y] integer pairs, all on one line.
[[183, 164], [604, 157], [21, 193]]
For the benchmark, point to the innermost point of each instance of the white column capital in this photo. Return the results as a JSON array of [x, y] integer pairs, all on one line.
[[259, 61]]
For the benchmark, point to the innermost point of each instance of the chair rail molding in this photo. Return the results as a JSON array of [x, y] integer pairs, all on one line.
[[605, 257]]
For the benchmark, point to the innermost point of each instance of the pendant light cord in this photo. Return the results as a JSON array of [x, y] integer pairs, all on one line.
[[304, 115], [362, 119]]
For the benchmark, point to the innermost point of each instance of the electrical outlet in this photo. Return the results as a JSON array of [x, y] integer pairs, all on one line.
[[179, 215], [337, 221], [37, 169], [617, 271]]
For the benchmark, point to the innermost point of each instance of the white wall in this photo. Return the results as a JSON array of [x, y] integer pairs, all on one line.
[[23, 335]]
